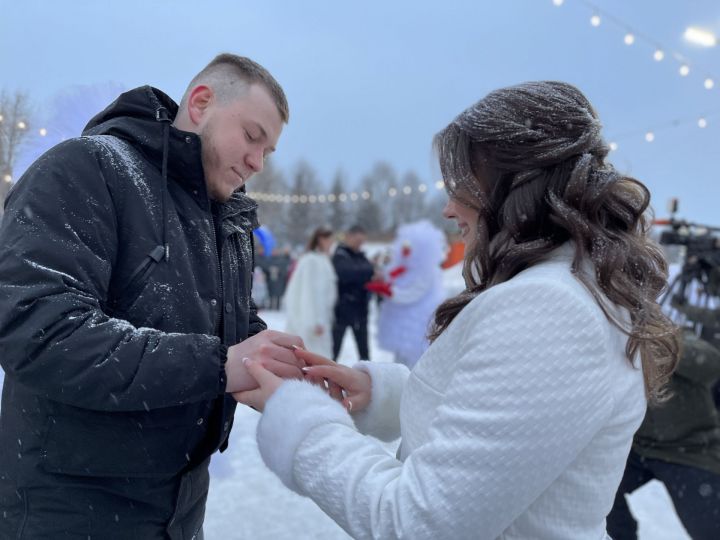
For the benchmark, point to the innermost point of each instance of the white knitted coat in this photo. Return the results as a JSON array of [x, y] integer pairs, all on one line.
[[516, 423], [310, 301]]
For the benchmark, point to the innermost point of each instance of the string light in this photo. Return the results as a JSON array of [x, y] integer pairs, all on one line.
[[422, 188], [702, 123], [649, 136], [630, 36], [21, 125], [365, 195], [613, 146], [392, 191], [42, 132], [1, 117], [700, 37], [7, 178], [439, 184], [353, 196], [558, 3], [407, 190]]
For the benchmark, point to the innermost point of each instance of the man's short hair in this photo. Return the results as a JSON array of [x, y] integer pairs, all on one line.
[[230, 75], [357, 229]]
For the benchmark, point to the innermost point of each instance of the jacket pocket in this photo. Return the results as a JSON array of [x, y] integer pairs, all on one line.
[[137, 281], [120, 448]]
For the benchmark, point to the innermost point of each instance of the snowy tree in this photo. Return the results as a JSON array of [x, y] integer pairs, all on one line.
[[272, 214], [376, 213], [15, 131], [303, 218], [338, 210], [409, 203]]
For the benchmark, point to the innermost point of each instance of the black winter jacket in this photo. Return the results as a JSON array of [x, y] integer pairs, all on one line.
[[353, 271], [120, 290]]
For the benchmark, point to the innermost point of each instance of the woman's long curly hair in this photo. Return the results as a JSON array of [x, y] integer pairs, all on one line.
[[531, 161]]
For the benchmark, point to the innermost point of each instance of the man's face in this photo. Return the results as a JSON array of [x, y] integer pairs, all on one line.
[[355, 240], [236, 138]]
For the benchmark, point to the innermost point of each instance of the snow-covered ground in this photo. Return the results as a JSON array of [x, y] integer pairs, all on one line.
[[248, 501]]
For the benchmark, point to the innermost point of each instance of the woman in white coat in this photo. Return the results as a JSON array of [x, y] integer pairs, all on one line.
[[311, 294], [517, 421]]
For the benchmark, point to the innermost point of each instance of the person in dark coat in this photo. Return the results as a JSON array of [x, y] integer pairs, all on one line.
[[678, 443], [354, 271], [125, 310]]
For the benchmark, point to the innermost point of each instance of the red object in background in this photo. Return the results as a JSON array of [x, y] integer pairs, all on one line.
[[382, 288], [399, 271], [456, 254]]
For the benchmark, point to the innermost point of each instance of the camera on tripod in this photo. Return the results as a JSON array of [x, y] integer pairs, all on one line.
[[701, 264]]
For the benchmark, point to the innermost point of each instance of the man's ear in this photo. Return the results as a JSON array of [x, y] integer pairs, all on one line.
[[199, 101]]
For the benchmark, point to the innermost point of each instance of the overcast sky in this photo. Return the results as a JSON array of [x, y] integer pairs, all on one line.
[[374, 80]]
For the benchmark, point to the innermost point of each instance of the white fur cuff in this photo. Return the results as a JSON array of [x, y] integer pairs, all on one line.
[[381, 419], [295, 409]]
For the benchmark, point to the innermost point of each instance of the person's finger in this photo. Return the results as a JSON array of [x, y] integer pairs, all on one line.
[[335, 391], [283, 370], [313, 359], [341, 375], [281, 354], [359, 401], [317, 381], [259, 373], [282, 339]]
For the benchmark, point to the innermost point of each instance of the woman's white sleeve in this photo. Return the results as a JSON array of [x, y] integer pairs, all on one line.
[[530, 390], [381, 418]]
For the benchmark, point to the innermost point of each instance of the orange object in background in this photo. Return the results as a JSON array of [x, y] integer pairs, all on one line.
[[456, 253]]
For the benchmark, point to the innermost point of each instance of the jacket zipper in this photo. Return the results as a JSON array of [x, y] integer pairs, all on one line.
[[221, 300]]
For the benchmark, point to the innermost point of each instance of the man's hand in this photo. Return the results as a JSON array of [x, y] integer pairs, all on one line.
[[272, 350]]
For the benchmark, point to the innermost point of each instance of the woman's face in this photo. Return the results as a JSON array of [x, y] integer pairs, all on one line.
[[325, 243], [465, 217]]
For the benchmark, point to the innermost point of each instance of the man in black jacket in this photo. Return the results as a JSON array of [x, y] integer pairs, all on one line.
[[125, 310], [353, 271]]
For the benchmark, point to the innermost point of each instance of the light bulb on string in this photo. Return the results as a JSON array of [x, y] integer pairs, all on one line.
[[42, 132], [629, 39], [684, 70], [613, 146], [595, 20], [709, 83], [658, 55], [558, 3], [702, 123], [649, 136]]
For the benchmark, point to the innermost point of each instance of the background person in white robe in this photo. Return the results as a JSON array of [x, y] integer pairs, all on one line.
[[517, 421], [311, 294]]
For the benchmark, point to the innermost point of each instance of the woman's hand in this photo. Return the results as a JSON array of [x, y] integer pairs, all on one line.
[[267, 382], [351, 387]]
